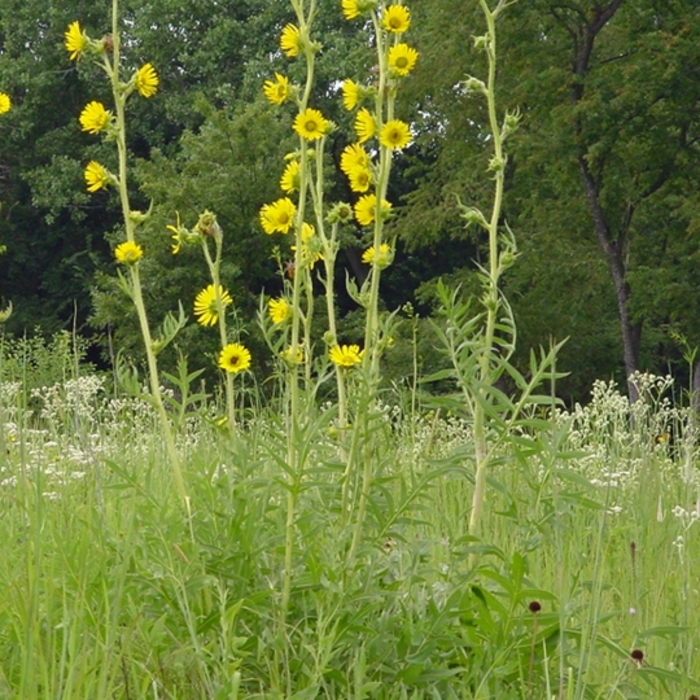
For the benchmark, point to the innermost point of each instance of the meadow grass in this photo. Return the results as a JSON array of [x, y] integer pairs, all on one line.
[[113, 591]]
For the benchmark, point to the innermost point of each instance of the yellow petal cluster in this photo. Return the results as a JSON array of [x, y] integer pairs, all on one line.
[[96, 176], [381, 259], [278, 216], [5, 102], [290, 40], [128, 253], [76, 41], [289, 182], [277, 90], [354, 156], [395, 134], [352, 94], [279, 310], [147, 80], [234, 358], [365, 125], [94, 117], [396, 19], [311, 124], [366, 209], [402, 59], [205, 306], [346, 355]]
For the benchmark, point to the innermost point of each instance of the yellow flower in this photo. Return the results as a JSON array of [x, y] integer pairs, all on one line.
[[365, 209], [234, 358], [205, 308], [346, 355], [279, 310], [147, 80], [382, 259], [402, 59], [396, 19], [76, 40], [290, 40], [353, 156], [96, 176], [352, 94], [94, 118], [311, 124], [350, 9], [128, 253], [277, 91], [365, 125], [5, 102], [289, 182], [395, 134], [360, 179], [278, 216]]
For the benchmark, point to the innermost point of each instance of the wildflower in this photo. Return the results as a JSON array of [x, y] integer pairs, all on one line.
[[365, 125], [205, 306], [350, 9], [289, 182], [353, 156], [234, 358], [402, 59], [179, 234], [147, 80], [382, 259], [310, 253], [360, 179], [96, 176], [5, 102], [76, 41], [395, 134], [128, 253], [277, 91], [279, 310], [278, 216], [94, 118], [352, 94], [290, 40], [346, 355], [534, 606], [396, 19], [365, 209], [311, 124]]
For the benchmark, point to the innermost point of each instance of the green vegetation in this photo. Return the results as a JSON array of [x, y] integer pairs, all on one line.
[[348, 477]]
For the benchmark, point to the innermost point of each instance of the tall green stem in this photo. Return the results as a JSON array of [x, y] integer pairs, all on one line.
[[491, 294]]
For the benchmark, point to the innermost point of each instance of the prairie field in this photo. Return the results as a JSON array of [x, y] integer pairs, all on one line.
[[583, 583]]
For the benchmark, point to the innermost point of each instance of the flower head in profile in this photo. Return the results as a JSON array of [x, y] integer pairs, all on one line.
[[350, 9], [311, 124], [354, 156], [289, 182], [147, 80], [395, 134], [76, 41], [352, 94], [381, 259], [402, 59], [396, 19], [5, 103], [128, 253], [96, 176], [360, 179], [277, 90], [205, 307], [278, 216], [365, 125], [290, 40], [94, 118], [346, 355], [279, 310], [292, 358], [234, 358], [366, 209]]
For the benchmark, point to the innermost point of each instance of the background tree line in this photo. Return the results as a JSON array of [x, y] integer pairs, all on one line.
[[602, 178]]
